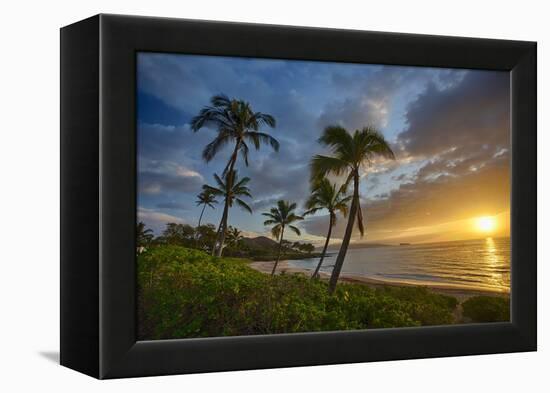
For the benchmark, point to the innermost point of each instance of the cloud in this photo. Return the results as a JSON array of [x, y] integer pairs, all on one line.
[[473, 115], [157, 220], [173, 205], [157, 177]]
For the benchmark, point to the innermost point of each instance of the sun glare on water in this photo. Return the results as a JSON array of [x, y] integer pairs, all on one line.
[[485, 224]]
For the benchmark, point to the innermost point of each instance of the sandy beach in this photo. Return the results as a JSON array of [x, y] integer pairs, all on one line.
[[461, 294]]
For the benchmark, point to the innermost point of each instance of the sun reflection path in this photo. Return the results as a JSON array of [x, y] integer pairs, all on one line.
[[493, 262]]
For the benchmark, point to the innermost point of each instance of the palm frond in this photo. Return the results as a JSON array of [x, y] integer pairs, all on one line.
[[276, 231], [295, 230], [243, 205], [258, 138], [360, 225], [213, 190], [244, 152], [263, 118], [321, 166], [214, 147], [221, 100], [338, 139], [375, 144], [270, 222], [219, 181]]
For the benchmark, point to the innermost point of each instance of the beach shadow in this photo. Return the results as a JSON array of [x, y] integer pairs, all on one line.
[[52, 356]]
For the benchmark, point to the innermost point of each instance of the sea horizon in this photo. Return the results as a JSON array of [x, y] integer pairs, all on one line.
[[473, 264]]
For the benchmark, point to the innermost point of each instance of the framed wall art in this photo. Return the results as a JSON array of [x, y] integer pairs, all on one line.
[[240, 196]]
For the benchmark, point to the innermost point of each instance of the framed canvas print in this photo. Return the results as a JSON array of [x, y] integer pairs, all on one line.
[[240, 196]]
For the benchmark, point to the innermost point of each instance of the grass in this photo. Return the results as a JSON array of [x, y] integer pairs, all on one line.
[[186, 293]]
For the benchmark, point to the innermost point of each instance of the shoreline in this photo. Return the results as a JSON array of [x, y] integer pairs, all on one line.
[[460, 293]]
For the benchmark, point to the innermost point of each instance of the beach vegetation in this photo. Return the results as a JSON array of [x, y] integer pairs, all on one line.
[[187, 293], [487, 309]]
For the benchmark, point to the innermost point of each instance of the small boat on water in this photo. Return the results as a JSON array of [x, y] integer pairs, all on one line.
[[404, 244]]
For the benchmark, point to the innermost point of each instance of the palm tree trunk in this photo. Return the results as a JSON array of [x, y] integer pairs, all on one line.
[[196, 236], [347, 235], [200, 217], [279, 253], [218, 243], [220, 237], [221, 231], [316, 272]]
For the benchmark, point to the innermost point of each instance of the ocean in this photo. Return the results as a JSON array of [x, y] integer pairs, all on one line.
[[482, 264]]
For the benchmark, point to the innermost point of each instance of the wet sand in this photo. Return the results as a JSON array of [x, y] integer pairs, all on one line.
[[460, 293]]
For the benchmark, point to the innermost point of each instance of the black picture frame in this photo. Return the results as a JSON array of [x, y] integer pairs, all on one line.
[[98, 196]]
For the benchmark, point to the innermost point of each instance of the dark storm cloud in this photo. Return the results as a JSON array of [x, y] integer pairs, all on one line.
[[469, 117]]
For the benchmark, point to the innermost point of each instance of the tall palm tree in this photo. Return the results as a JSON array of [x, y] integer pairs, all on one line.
[[327, 196], [233, 236], [205, 198], [231, 189], [350, 152], [236, 123], [281, 217]]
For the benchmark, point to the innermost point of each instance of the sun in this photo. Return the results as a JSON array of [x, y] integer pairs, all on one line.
[[485, 224]]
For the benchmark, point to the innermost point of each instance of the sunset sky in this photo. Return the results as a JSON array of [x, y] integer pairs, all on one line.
[[449, 130]]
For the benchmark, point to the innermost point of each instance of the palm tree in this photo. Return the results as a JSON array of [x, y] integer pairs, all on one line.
[[205, 198], [233, 236], [236, 123], [350, 152], [327, 196], [281, 217], [231, 189]]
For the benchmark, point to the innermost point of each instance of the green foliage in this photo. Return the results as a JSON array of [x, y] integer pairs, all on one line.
[[487, 309], [187, 293], [177, 234]]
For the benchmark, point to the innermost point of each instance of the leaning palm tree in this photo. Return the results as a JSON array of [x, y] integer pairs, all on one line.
[[205, 198], [350, 152], [233, 236], [334, 199], [231, 189], [236, 123], [281, 217]]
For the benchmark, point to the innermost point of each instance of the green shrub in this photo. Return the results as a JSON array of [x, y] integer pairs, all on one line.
[[187, 293], [487, 309]]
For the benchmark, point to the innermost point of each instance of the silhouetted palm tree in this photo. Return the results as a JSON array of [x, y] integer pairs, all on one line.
[[236, 123], [231, 189], [281, 217], [349, 153], [205, 198], [327, 196], [233, 236]]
